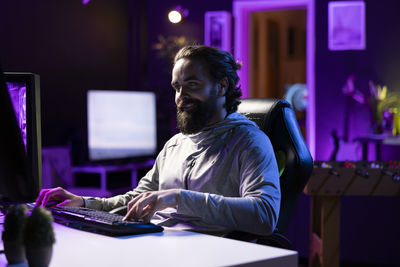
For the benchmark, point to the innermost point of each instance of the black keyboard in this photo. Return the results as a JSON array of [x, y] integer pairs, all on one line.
[[100, 221]]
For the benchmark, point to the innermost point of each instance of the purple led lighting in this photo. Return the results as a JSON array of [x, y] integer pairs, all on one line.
[[183, 11], [217, 29], [18, 98], [85, 2], [241, 13]]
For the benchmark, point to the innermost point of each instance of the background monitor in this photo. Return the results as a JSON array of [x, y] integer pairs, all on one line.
[[20, 152], [121, 124]]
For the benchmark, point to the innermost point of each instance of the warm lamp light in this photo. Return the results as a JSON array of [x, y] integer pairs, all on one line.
[[174, 16]]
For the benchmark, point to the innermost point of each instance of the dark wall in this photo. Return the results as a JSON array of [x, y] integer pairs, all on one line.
[[73, 48], [379, 62], [192, 28], [101, 45], [368, 224]]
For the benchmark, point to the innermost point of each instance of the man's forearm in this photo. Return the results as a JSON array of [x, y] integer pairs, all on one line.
[[248, 214]]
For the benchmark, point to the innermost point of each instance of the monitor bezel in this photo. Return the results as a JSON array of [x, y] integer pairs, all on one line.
[[33, 135]]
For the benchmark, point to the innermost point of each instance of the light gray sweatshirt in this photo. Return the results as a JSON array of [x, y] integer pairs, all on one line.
[[228, 175]]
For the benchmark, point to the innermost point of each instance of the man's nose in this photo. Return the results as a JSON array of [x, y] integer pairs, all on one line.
[[181, 94]]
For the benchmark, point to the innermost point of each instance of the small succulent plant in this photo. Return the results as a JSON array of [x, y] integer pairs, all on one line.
[[13, 234], [14, 223], [39, 229]]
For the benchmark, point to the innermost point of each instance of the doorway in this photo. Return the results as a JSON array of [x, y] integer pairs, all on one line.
[[278, 58], [277, 52], [243, 11]]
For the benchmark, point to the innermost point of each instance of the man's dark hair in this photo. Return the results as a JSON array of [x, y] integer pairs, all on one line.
[[219, 64]]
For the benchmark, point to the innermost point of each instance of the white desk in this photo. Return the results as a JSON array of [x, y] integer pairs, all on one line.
[[169, 248]]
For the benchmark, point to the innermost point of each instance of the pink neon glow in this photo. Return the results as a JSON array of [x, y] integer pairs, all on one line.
[[241, 13], [183, 11]]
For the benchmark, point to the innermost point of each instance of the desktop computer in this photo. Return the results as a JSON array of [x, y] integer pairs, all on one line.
[[20, 163], [20, 137]]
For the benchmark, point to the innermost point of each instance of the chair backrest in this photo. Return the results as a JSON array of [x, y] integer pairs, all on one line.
[[277, 119]]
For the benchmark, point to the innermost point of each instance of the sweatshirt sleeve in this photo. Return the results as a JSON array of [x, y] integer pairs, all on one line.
[[256, 210]]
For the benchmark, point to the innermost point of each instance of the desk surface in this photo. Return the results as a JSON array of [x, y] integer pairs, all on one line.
[[169, 248], [387, 139]]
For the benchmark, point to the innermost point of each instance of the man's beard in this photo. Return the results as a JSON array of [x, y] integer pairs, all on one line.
[[193, 120]]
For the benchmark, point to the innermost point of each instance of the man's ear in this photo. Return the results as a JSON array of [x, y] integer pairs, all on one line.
[[223, 86]]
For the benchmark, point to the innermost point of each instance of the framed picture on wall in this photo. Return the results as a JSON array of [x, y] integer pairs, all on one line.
[[346, 25], [217, 29]]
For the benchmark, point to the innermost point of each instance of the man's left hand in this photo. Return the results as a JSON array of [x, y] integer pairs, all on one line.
[[146, 204]]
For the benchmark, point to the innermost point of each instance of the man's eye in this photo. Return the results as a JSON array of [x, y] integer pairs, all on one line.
[[191, 84]]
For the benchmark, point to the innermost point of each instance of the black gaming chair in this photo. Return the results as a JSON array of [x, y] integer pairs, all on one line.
[[277, 119]]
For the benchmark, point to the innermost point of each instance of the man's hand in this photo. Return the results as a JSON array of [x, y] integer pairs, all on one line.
[[60, 195], [146, 204]]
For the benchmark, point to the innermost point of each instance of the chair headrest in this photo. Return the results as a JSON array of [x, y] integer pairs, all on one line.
[[262, 111]]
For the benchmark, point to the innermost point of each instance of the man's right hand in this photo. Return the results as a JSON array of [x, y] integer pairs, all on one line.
[[60, 195]]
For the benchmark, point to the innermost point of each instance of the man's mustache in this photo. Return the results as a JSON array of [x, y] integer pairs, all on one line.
[[181, 104]]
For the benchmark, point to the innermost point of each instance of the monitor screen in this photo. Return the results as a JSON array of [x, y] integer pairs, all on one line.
[[121, 124], [20, 171], [17, 92]]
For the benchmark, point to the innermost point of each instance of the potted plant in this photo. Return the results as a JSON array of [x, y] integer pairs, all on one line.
[[14, 225], [39, 237]]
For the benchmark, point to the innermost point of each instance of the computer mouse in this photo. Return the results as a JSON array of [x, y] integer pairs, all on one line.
[[120, 210]]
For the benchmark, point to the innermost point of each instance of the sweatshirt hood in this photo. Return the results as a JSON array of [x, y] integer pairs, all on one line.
[[209, 133]]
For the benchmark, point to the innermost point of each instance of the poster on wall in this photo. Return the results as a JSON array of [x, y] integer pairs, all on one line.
[[346, 25], [217, 29]]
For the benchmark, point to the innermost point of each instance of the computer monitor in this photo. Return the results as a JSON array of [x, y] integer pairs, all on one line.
[[121, 125], [20, 153]]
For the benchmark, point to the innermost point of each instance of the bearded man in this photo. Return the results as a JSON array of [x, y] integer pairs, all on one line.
[[218, 175]]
